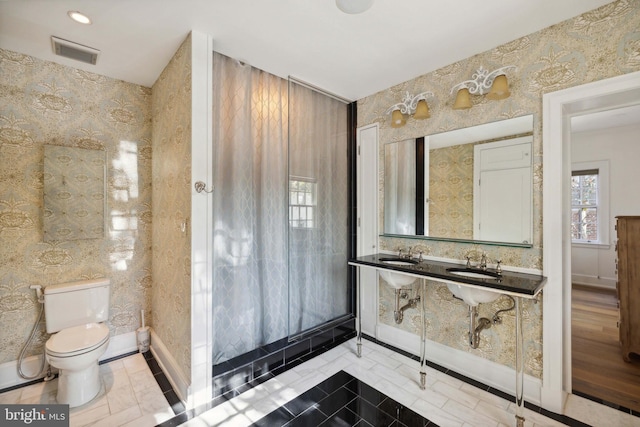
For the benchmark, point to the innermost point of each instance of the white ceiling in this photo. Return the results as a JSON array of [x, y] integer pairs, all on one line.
[[350, 55], [606, 119]]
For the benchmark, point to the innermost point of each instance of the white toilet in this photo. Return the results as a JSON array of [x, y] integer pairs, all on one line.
[[75, 313]]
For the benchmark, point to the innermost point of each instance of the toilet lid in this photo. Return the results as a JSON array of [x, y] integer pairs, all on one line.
[[77, 340]]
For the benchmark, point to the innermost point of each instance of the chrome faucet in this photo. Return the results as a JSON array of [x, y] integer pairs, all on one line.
[[408, 255], [482, 265]]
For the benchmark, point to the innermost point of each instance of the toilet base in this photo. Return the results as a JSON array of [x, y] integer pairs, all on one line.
[[76, 388]]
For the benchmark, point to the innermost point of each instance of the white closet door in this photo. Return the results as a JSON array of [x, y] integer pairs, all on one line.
[[503, 191], [505, 205]]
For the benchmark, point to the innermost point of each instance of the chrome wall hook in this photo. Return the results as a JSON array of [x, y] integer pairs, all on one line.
[[201, 186]]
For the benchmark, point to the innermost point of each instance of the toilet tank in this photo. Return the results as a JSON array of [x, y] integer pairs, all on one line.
[[76, 303]]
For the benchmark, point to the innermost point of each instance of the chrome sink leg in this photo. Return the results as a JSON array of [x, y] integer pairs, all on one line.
[[423, 338], [358, 317], [519, 366]]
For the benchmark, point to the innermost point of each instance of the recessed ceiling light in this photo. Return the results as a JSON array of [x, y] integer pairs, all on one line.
[[354, 6], [79, 17]]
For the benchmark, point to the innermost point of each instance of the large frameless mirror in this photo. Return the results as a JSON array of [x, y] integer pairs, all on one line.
[[472, 184]]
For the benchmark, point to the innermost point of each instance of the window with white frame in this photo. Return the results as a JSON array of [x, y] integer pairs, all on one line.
[[590, 203], [302, 202]]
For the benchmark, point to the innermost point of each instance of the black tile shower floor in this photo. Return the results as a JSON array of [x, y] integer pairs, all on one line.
[[343, 400]]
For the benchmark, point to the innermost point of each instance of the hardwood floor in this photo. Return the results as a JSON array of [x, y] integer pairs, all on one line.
[[597, 364]]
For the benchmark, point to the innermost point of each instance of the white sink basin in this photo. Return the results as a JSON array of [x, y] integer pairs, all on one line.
[[474, 274], [472, 296], [395, 279], [397, 262]]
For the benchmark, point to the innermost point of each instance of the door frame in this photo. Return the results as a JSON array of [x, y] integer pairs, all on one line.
[[367, 139], [558, 108]]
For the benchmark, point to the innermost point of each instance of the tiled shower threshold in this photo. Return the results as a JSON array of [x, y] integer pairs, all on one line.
[[236, 375]]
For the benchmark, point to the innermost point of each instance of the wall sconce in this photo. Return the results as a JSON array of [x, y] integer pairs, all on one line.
[[410, 105], [494, 84]]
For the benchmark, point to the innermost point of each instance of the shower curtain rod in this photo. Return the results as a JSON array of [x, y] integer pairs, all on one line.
[[320, 90]]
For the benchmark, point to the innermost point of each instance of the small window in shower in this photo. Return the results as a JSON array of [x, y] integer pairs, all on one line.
[[302, 202]]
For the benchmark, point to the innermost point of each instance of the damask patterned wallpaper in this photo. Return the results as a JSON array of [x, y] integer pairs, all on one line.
[[45, 103], [171, 110], [74, 193], [595, 45], [451, 192]]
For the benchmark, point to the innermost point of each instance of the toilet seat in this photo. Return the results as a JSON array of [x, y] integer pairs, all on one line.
[[77, 340]]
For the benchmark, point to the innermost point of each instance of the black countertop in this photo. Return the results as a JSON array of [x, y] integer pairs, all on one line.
[[519, 284]]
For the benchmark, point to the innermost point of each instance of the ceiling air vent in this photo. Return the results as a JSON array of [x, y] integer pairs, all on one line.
[[74, 50]]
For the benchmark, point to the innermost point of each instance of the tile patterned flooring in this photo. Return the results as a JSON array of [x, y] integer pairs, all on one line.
[[335, 388], [131, 396], [383, 374], [342, 399]]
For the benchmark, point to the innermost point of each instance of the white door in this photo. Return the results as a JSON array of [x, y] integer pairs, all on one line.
[[505, 206], [367, 200], [503, 189]]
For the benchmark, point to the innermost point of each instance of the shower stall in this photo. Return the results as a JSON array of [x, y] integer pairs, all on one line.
[[281, 214]]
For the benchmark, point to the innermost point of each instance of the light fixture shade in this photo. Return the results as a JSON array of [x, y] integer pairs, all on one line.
[[397, 119], [422, 110], [499, 88], [354, 6], [463, 100]]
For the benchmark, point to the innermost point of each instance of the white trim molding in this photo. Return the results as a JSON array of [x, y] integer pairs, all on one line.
[[558, 108], [170, 367], [201, 313]]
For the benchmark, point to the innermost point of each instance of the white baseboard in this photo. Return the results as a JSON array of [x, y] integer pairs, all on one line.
[[593, 281], [9, 377], [553, 400], [119, 345], [170, 367], [487, 372]]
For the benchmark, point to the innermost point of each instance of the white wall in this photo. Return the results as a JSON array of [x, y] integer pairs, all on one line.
[[621, 146]]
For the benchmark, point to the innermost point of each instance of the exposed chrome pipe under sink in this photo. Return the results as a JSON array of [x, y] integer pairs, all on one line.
[[478, 325], [398, 313]]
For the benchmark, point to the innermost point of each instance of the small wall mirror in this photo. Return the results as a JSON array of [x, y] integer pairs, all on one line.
[[472, 184], [74, 193]]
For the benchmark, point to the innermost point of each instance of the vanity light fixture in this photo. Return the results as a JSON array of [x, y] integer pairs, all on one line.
[[410, 105], [494, 84], [79, 17], [353, 7]]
